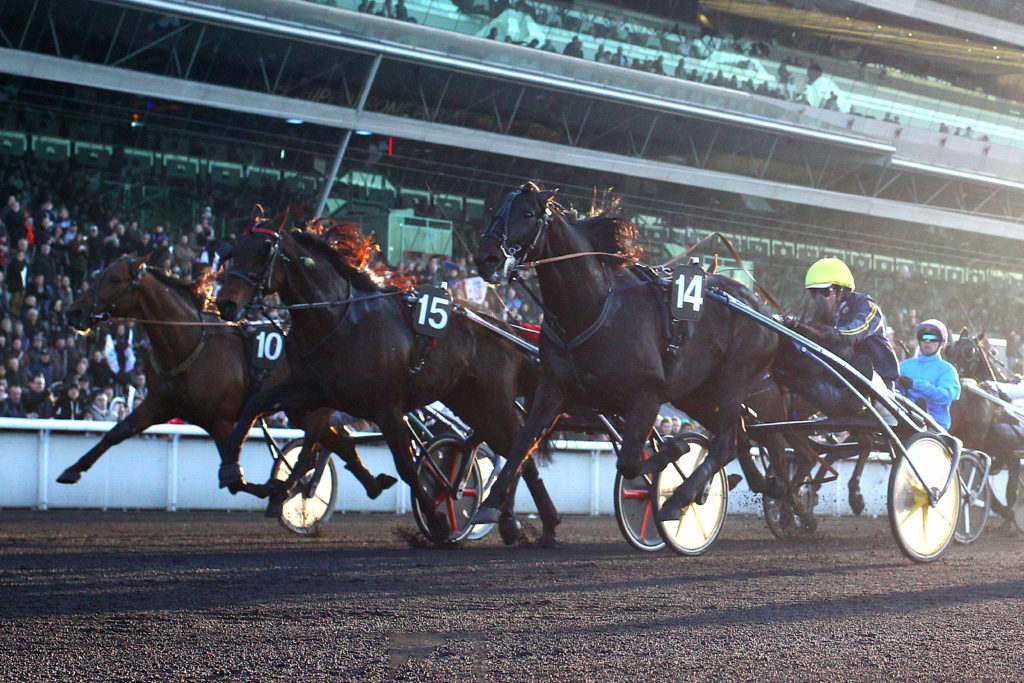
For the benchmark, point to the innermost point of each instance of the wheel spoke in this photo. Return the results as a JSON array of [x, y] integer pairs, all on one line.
[[646, 519], [435, 470]]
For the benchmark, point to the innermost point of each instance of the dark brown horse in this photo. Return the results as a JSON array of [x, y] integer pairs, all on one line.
[[980, 423], [353, 346], [200, 369], [606, 342]]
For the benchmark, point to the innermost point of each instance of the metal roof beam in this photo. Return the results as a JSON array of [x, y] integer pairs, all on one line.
[[232, 99]]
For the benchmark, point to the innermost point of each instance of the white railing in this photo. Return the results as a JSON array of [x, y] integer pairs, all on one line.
[[174, 467]]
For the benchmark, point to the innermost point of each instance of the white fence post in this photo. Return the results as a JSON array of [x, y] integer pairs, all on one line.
[[43, 491]]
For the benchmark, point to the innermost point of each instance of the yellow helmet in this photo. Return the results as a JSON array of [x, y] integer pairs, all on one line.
[[827, 272]]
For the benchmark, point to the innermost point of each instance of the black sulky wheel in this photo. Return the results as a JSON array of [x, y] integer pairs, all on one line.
[[634, 511], [975, 502], [701, 522], [437, 474], [301, 513], [922, 531]]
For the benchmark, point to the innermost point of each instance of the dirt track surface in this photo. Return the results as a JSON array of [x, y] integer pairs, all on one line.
[[214, 596]]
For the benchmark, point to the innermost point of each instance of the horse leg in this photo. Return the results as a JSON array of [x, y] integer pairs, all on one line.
[[545, 508], [856, 497], [773, 486], [319, 432], [723, 446], [548, 405], [510, 528], [148, 413], [313, 428], [638, 423], [396, 434], [230, 474], [805, 459], [343, 445]]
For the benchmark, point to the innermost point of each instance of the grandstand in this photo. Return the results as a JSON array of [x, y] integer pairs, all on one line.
[[907, 163]]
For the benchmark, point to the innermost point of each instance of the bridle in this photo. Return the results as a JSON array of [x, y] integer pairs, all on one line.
[[515, 254], [261, 281], [98, 314]]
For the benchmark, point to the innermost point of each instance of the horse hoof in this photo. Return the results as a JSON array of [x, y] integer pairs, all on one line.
[[485, 515], [510, 529], [549, 541], [231, 477], [275, 508], [629, 470], [856, 502], [383, 483], [440, 530], [70, 476]]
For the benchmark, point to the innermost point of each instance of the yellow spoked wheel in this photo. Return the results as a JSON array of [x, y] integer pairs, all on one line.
[[304, 511], [701, 522], [923, 530]]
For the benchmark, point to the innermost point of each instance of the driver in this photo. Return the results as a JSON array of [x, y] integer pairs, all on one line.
[[856, 320], [927, 376]]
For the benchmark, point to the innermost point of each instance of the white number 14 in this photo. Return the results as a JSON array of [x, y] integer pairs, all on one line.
[[691, 292]]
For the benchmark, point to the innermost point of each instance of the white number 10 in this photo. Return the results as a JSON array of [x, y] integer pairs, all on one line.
[[269, 345]]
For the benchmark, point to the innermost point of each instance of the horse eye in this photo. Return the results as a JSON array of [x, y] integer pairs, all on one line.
[[114, 279], [529, 214]]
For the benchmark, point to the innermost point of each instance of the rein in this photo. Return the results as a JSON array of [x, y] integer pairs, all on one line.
[[563, 257], [326, 304], [735, 254], [146, 321]]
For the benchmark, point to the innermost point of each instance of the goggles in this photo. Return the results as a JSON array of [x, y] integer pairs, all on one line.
[[928, 337]]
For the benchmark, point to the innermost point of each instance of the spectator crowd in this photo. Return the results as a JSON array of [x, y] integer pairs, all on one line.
[[51, 249]]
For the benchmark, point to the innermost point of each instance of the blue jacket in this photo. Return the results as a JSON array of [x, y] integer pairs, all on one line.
[[935, 381], [860, 320]]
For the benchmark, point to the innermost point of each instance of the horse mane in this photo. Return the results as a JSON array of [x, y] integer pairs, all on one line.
[[361, 279], [193, 293], [347, 240], [611, 234], [602, 227]]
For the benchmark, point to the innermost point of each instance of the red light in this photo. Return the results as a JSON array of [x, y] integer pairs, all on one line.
[[391, 146]]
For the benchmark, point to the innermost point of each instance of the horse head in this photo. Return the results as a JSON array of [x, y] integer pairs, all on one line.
[[970, 358], [113, 294], [517, 225], [252, 272]]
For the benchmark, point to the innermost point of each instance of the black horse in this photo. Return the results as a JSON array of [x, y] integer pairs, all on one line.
[[980, 423], [200, 369], [353, 347], [607, 343]]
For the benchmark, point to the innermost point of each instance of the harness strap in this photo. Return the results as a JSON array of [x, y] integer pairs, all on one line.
[[183, 365]]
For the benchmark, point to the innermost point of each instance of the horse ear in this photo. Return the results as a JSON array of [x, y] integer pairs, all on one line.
[[546, 196], [257, 213], [140, 266]]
